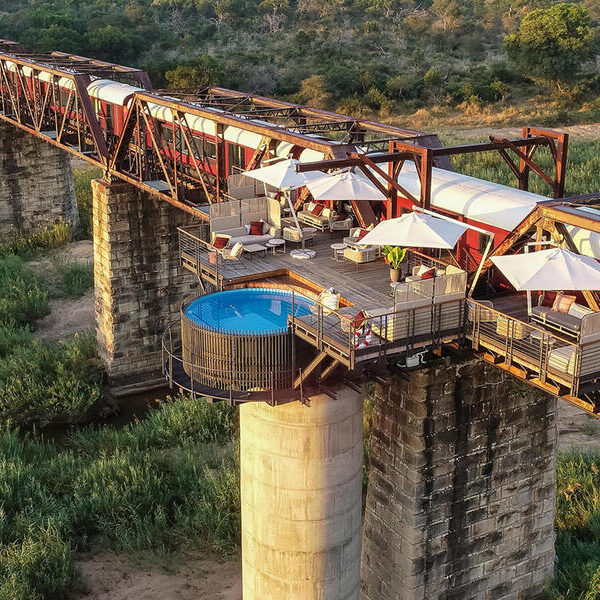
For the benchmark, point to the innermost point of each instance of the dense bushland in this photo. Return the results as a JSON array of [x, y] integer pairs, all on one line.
[[359, 56], [170, 481]]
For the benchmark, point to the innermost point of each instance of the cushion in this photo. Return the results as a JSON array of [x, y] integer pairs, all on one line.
[[247, 228], [578, 311], [317, 210], [237, 249], [562, 303], [553, 317], [420, 270], [256, 227], [220, 241], [326, 213], [309, 207], [430, 274], [361, 234], [266, 227], [548, 299]]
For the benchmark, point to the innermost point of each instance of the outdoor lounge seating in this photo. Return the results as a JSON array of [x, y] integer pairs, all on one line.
[[360, 254], [316, 215], [412, 315], [295, 235], [568, 323], [234, 219]]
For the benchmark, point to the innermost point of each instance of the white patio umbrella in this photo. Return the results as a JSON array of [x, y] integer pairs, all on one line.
[[552, 269], [344, 185], [415, 230], [283, 175]]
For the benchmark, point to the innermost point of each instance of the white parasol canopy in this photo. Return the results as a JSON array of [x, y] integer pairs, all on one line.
[[415, 230], [283, 175], [553, 269], [344, 185]]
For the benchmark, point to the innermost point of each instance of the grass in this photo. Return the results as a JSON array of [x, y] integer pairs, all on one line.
[[22, 299], [42, 383], [29, 245], [82, 179], [578, 528], [75, 279], [583, 170], [166, 482]]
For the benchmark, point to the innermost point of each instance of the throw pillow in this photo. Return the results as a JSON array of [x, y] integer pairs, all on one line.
[[430, 274], [309, 207], [579, 311], [562, 303], [548, 299], [317, 210], [220, 242], [256, 227], [361, 234]]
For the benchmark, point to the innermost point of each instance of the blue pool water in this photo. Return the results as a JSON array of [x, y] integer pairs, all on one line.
[[255, 310]]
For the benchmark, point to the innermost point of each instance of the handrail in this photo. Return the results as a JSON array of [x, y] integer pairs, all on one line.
[[533, 348]]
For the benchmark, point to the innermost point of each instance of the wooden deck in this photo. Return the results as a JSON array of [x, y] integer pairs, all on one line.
[[365, 285]]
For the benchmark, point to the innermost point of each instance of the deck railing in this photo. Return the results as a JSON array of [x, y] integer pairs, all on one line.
[[545, 358], [351, 335], [198, 255]]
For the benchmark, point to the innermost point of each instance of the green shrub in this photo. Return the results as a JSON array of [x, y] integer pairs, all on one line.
[[82, 179], [43, 383], [27, 246], [21, 298], [76, 279], [163, 486]]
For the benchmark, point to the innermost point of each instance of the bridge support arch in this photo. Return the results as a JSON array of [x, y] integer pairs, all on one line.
[[36, 182], [138, 282], [301, 478], [461, 493]]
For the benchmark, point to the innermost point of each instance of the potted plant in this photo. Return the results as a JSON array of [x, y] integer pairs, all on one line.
[[394, 255]]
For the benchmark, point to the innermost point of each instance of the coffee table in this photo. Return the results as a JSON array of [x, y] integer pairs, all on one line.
[[338, 251], [275, 243], [252, 249], [302, 254]]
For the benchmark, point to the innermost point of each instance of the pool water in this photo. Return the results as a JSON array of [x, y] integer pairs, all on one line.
[[251, 310]]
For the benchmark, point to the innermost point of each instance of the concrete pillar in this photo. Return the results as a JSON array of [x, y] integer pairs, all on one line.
[[301, 477], [461, 493], [139, 285], [36, 183]]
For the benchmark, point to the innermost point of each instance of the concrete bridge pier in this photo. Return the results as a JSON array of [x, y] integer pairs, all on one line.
[[301, 477], [36, 182], [139, 285], [460, 503]]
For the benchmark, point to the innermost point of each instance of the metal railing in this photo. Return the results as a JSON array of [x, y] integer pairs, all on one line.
[[545, 357], [198, 255], [351, 335]]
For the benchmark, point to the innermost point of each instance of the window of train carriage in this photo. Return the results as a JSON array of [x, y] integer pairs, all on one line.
[[109, 116], [210, 149], [236, 158]]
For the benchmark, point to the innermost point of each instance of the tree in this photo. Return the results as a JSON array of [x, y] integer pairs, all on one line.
[[313, 92], [200, 72], [551, 44]]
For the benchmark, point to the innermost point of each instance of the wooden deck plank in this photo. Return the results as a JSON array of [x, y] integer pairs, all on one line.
[[366, 285]]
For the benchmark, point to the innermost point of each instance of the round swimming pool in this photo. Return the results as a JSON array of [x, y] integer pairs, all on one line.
[[250, 310], [239, 339]]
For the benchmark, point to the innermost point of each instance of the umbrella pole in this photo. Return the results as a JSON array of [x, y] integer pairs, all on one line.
[[294, 215]]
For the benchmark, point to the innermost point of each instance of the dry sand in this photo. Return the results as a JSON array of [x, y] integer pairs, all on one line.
[[113, 577]]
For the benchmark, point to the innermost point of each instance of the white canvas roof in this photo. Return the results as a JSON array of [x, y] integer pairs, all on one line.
[[111, 91], [484, 201]]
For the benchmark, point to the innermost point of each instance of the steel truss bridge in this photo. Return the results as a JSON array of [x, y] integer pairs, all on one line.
[[145, 152]]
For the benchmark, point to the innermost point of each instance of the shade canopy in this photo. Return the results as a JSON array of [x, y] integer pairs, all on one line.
[[553, 269], [415, 230], [283, 175], [345, 185]]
